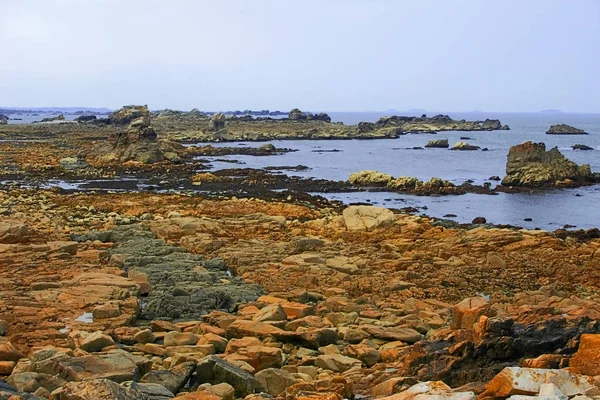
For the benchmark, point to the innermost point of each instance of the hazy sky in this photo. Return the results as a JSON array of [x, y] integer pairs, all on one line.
[[445, 55]]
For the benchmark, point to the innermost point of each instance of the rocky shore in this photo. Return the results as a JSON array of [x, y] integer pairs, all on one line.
[[195, 126], [122, 296], [239, 284]]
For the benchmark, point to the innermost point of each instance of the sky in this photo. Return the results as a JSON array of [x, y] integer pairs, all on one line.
[[318, 55]]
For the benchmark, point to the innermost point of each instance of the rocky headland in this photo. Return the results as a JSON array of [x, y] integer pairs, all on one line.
[[564, 129]]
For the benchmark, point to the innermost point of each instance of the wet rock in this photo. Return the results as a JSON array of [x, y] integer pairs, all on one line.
[[97, 389], [564, 129], [529, 164], [479, 220]]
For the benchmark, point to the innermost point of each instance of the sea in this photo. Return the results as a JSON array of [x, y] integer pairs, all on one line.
[[550, 210], [337, 159]]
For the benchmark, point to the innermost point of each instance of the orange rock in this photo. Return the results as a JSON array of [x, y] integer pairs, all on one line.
[[241, 328], [6, 367], [586, 360], [259, 357], [297, 310]]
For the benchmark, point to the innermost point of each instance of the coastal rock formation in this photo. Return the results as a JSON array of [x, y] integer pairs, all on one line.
[[58, 118], [127, 114], [529, 164], [438, 143], [464, 146], [403, 183], [3, 119], [581, 147], [370, 177], [564, 129], [433, 124], [297, 115], [139, 143], [85, 118]]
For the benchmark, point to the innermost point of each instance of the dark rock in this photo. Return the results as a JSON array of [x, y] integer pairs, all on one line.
[[564, 129], [494, 178], [479, 220], [85, 118], [581, 147]]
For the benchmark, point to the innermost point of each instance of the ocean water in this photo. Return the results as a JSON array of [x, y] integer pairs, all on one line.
[[548, 210]]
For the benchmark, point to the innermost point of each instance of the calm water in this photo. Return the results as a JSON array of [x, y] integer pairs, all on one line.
[[549, 210]]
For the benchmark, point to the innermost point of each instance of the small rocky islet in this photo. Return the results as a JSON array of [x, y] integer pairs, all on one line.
[[147, 295]]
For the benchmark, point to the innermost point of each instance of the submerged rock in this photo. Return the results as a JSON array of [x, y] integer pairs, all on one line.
[[564, 129], [529, 164]]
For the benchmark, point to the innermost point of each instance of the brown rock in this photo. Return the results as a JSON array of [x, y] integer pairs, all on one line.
[[97, 389], [8, 352], [586, 360]]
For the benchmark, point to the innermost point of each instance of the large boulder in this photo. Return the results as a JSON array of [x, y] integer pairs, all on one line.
[[529, 164], [367, 218], [564, 129]]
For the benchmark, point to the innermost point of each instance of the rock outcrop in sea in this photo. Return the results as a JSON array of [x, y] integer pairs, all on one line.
[[438, 143], [139, 143], [403, 183], [564, 129], [529, 164], [422, 124]]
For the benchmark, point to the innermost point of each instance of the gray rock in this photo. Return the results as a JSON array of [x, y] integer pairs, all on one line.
[[173, 379]]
